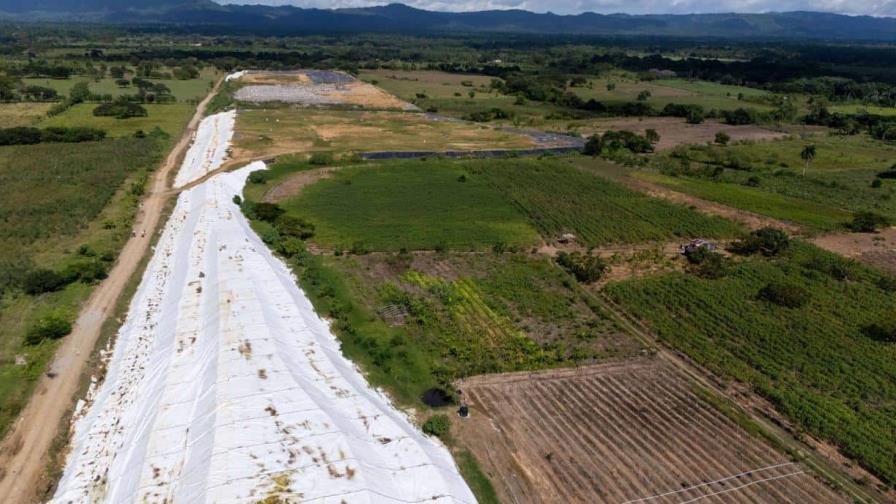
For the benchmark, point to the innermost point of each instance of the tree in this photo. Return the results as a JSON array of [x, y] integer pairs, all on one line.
[[437, 425], [643, 95], [593, 146], [652, 136], [868, 222], [722, 138], [43, 280], [808, 154], [611, 86], [79, 93], [784, 294], [768, 241]]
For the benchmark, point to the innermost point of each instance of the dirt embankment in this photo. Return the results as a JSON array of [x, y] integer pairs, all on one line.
[[675, 131], [875, 249], [23, 453]]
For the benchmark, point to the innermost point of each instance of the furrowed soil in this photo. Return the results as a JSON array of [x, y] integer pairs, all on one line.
[[629, 432]]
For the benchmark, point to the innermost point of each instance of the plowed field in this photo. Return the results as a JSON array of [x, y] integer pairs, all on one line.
[[634, 432]]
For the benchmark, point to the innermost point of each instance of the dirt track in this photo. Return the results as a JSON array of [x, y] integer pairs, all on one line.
[[23, 453]]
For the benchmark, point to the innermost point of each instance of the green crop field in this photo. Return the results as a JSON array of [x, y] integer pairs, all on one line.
[[412, 205], [560, 198], [53, 199], [819, 363], [171, 118]]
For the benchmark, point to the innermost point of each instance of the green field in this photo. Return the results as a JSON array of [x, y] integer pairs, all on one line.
[[183, 90], [818, 363], [755, 200], [709, 95], [769, 180], [411, 205], [561, 198], [55, 198], [22, 114], [171, 118]]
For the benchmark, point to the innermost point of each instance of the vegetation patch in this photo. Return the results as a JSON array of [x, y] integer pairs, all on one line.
[[809, 354]]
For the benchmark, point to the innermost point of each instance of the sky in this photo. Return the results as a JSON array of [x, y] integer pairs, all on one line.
[[869, 7]]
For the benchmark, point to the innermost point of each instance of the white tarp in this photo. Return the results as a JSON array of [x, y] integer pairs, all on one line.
[[224, 386], [209, 148]]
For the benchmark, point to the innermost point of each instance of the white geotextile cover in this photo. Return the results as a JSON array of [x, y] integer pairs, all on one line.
[[235, 75], [224, 386], [209, 148]]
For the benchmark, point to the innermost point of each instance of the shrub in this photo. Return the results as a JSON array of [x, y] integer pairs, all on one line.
[[288, 225], [586, 268], [268, 212], [868, 222], [85, 271], [881, 331], [120, 109], [258, 177], [784, 294], [52, 326], [593, 146], [707, 263], [321, 158], [739, 116], [437, 425], [237, 200], [769, 241], [876, 183], [43, 280], [722, 138], [20, 136]]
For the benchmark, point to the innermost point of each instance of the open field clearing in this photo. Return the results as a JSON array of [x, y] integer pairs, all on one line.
[[266, 132], [675, 131], [315, 87], [171, 118], [767, 178], [22, 114], [874, 249], [826, 364], [184, 90], [778, 206], [628, 432], [709, 95], [220, 338]]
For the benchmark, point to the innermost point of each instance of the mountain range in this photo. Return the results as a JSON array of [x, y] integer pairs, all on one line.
[[399, 18]]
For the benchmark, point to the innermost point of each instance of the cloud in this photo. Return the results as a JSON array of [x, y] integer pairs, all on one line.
[[868, 7]]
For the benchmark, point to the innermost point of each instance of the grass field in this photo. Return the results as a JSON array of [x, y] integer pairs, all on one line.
[[171, 118], [183, 90], [769, 180], [411, 205], [709, 95], [22, 114], [560, 198], [755, 200], [53, 199], [818, 363]]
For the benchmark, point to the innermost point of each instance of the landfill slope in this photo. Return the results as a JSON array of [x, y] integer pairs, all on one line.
[[209, 148], [224, 386]]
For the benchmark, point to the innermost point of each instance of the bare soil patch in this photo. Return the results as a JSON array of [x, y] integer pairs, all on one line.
[[623, 432], [875, 249], [294, 184], [675, 131]]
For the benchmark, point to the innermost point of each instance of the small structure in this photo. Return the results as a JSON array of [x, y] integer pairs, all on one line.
[[696, 244], [567, 238]]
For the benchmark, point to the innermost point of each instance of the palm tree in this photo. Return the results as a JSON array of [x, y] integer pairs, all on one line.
[[808, 155]]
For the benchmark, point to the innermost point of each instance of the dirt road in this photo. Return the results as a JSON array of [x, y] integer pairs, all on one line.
[[23, 453]]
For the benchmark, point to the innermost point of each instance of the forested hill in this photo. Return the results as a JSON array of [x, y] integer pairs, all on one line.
[[399, 18]]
